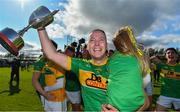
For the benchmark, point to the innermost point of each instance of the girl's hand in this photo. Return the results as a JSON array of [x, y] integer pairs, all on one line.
[[108, 108]]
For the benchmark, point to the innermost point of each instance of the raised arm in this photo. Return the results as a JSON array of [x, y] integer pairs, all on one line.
[[50, 51]]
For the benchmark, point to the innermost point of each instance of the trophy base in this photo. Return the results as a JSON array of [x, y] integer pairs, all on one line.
[[8, 45]]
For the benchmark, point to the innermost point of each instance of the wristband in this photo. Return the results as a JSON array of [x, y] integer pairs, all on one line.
[[41, 28]]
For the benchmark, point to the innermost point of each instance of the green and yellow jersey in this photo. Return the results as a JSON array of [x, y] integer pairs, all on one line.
[[50, 73], [93, 80], [38, 66], [170, 79]]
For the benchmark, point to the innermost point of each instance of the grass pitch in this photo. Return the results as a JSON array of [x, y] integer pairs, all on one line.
[[25, 99]]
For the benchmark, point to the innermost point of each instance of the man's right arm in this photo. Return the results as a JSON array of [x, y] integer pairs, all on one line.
[[50, 51], [38, 87]]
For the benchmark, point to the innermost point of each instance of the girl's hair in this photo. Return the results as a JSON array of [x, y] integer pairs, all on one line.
[[125, 43]]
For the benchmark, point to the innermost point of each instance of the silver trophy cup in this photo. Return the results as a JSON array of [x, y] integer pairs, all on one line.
[[12, 41]]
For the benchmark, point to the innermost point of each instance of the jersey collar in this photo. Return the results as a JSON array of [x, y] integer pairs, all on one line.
[[101, 64]]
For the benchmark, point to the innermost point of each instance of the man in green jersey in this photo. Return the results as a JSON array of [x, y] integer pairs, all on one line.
[[92, 74], [170, 77]]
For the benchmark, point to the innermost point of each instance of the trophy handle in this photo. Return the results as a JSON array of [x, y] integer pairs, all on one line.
[[25, 29]]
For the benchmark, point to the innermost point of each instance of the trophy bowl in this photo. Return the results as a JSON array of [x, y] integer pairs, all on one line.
[[41, 17]]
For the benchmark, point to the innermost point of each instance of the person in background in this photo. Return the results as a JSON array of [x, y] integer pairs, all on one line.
[[147, 83], [148, 89], [110, 52], [170, 78], [72, 84], [85, 53], [49, 80], [15, 65]]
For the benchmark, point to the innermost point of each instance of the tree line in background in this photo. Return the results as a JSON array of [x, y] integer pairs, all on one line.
[[30, 59]]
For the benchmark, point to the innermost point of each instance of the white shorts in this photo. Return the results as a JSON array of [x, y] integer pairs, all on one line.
[[50, 106], [168, 101], [74, 97]]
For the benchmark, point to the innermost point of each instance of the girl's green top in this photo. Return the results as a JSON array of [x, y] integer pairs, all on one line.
[[125, 85]]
